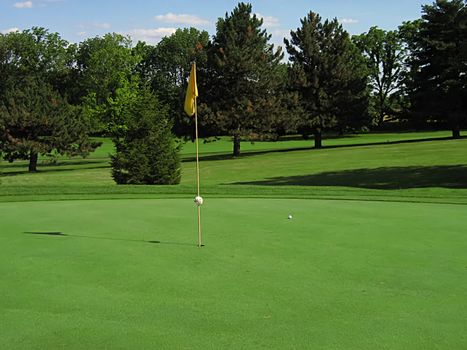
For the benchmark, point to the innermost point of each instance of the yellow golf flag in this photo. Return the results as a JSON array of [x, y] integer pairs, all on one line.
[[191, 92]]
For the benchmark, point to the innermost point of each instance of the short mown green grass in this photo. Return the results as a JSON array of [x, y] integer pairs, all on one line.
[[373, 258], [390, 166], [339, 275]]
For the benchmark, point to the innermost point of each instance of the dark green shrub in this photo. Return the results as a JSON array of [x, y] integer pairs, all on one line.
[[146, 151]]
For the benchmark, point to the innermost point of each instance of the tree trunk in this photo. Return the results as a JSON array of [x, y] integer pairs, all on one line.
[[236, 146], [32, 162], [381, 118], [318, 138], [456, 132], [381, 110]]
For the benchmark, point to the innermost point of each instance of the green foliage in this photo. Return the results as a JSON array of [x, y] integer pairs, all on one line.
[[145, 149], [409, 32], [35, 116], [36, 120], [241, 81], [36, 52], [438, 85], [385, 58], [285, 113], [104, 65], [166, 68], [329, 74]]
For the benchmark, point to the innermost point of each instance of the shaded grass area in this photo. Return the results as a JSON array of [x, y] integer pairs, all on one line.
[[379, 178], [224, 145], [224, 156], [337, 276]]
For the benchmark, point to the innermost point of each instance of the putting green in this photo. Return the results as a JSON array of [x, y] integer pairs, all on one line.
[[339, 275]]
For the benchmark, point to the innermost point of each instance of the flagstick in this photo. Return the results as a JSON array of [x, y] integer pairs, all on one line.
[[197, 174]]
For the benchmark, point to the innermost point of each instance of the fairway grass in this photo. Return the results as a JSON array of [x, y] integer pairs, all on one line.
[[340, 275], [408, 166]]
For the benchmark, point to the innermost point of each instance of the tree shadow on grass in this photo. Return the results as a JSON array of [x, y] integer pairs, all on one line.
[[42, 170], [388, 178], [44, 164], [245, 154]]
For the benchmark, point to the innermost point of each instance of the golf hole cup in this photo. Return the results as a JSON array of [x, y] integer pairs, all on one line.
[[199, 201]]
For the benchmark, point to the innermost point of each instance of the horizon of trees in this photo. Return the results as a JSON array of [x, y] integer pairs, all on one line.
[[412, 77]]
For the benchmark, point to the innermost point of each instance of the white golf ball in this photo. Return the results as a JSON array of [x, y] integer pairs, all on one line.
[[199, 200], [290, 216]]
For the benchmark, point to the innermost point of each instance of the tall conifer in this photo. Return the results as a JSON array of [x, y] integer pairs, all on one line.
[[329, 74], [239, 87]]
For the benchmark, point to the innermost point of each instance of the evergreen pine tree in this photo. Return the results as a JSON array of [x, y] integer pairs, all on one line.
[[145, 149], [238, 89], [438, 90], [329, 74], [35, 114], [35, 119]]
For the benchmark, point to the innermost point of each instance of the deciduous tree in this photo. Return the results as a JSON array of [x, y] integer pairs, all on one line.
[[385, 58], [104, 65], [166, 67]]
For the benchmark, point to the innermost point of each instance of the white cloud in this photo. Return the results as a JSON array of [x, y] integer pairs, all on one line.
[[273, 27], [101, 25], [181, 19], [278, 36], [269, 21], [348, 21], [23, 5], [151, 36], [281, 34], [9, 30], [81, 34]]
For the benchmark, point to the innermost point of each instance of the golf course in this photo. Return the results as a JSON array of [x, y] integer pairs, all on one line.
[[278, 175], [373, 256]]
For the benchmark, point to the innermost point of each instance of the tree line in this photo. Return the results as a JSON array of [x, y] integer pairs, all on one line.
[[55, 94]]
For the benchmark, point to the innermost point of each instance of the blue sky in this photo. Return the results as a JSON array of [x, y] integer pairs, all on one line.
[[76, 20]]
